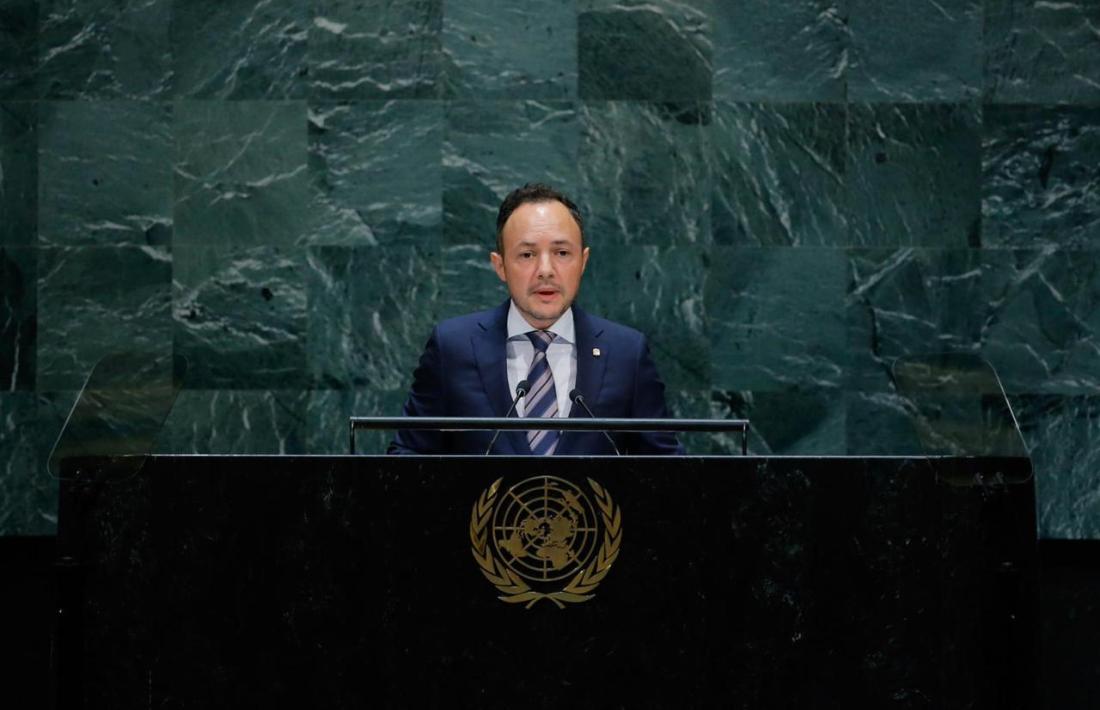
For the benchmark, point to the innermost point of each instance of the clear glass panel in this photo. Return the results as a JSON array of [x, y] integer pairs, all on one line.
[[121, 409], [957, 406]]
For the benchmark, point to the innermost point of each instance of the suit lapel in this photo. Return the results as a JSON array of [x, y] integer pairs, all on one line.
[[490, 351], [590, 370]]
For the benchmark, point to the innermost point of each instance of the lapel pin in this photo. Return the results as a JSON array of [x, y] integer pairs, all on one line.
[[595, 352]]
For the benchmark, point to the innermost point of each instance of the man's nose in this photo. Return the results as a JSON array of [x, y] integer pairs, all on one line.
[[546, 265]]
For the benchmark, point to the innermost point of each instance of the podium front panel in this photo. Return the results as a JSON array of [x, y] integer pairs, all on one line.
[[352, 582]]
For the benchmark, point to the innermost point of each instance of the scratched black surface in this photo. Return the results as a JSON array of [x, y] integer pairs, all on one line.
[[348, 582]]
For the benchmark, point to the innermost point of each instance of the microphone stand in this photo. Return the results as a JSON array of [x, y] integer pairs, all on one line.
[[521, 391], [578, 398]]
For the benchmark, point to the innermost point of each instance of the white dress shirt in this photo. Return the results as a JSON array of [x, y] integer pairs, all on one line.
[[561, 354]]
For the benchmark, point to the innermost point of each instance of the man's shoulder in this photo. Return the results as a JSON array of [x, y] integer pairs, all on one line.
[[467, 323]]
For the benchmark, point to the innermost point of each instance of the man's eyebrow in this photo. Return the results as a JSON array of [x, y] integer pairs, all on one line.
[[556, 242]]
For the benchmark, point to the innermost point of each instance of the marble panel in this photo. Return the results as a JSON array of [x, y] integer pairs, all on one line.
[[1063, 437], [28, 495], [376, 173], [246, 49], [468, 282], [645, 173], [105, 173], [915, 175], [95, 301], [503, 49], [370, 312], [659, 291], [786, 51], [239, 317], [18, 48], [1043, 320], [371, 49], [800, 421], [1040, 186], [779, 175], [227, 421], [241, 173], [327, 419], [493, 147], [904, 51], [1042, 52], [18, 317], [105, 49], [18, 173], [911, 302], [776, 318], [659, 50], [879, 424]]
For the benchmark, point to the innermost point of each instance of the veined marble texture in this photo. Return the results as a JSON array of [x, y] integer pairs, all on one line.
[[375, 49], [28, 495], [785, 197], [780, 174], [240, 173], [18, 173], [18, 48], [104, 49], [371, 310], [492, 147], [914, 51], [502, 48], [780, 51], [644, 173], [1061, 433], [1042, 52], [1040, 185], [659, 50], [255, 49], [245, 422], [239, 316], [914, 175], [376, 172], [95, 301], [18, 317], [105, 173]]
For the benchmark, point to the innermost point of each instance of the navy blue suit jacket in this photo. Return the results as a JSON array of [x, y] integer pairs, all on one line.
[[463, 373]]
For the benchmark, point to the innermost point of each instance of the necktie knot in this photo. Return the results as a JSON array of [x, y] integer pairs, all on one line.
[[541, 339]]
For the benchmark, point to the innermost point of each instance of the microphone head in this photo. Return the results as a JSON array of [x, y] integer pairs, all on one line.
[[522, 388], [574, 395]]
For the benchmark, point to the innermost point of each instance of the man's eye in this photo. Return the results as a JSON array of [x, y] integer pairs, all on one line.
[[564, 252], [525, 255]]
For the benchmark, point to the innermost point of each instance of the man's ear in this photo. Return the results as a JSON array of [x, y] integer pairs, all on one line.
[[584, 259], [498, 265]]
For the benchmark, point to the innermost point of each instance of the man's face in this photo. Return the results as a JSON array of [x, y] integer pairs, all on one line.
[[542, 261]]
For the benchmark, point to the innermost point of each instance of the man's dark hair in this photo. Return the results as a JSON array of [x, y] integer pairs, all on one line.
[[533, 192]]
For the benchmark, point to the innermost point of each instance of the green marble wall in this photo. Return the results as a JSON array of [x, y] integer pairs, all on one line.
[[784, 195]]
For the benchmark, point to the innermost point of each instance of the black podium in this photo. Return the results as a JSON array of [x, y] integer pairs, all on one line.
[[351, 582], [902, 581]]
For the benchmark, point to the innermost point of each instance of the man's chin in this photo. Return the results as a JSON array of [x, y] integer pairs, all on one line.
[[546, 315]]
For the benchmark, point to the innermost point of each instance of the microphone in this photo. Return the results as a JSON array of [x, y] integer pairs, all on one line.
[[522, 388], [578, 398]]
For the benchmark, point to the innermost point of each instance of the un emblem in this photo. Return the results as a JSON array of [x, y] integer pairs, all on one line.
[[541, 533]]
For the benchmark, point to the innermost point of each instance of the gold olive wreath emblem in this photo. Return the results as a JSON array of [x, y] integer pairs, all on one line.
[[542, 531]]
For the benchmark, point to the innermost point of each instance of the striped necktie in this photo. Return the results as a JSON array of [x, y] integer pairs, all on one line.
[[542, 399]]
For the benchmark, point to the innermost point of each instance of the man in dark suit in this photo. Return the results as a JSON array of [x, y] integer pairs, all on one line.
[[472, 364]]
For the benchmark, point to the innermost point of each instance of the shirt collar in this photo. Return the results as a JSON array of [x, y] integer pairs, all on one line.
[[563, 328]]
